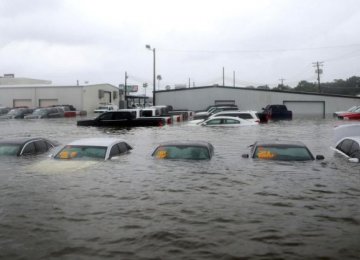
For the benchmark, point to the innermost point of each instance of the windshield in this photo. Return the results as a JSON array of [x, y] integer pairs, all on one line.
[[182, 152], [14, 112], [40, 112], [283, 153], [82, 152], [9, 149]]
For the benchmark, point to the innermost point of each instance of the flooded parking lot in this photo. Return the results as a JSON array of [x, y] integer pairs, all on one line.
[[136, 207]]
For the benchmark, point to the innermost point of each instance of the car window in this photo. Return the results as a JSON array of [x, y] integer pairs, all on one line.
[[84, 152], [213, 122], [355, 150], [282, 153], [9, 149], [123, 147], [106, 116], [245, 116], [182, 152], [345, 146], [231, 121], [114, 151], [28, 149], [41, 146]]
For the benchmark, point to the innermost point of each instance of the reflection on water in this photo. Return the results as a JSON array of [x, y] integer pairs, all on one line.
[[137, 207]]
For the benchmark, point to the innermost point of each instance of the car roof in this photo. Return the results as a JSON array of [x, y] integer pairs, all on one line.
[[227, 117], [235, 112], [97, 141], [354, 138], [188, 143], [280, 143], [21, 140]]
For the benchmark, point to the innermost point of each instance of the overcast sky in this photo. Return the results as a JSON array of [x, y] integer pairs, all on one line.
[[262, 41]]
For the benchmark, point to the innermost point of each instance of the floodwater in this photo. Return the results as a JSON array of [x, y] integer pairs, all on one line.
[[136, 207]]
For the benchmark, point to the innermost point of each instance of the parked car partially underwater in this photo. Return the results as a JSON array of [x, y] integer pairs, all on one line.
[[25, 146], [4, 110], [226, 121], [281, 151], [184, 150], [276, 112], [248, 115], [46, 112], [347, 142], [350, 115], [17, 113], [122, 119], [351, 109], [93, 149]]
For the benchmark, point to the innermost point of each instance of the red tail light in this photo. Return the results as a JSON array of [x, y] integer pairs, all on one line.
[[169, 121]]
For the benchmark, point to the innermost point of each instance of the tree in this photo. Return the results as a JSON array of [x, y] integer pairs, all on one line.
[[304, 86], [282, 87]]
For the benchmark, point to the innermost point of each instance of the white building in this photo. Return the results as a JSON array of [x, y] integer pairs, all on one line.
[[198, 98], [37, 93]]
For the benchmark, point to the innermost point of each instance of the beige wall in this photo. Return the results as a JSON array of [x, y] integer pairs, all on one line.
[[81, 97]]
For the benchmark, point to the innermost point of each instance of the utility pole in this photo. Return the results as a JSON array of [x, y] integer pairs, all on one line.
[[234, 78], [319, 71], [223, 76], [125, 88], [189, 83], [282, 82]]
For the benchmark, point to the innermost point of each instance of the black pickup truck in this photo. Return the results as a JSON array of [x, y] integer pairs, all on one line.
[[276, 112], [122, 119]]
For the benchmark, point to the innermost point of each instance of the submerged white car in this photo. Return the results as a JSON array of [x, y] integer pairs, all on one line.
[[227, 121], [347, 141], [248, 115], [93, 148]]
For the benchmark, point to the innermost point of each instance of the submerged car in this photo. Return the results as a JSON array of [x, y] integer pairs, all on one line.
[[46, 112], [227, 121], [4, 110], [351, 109], [94, 148], [248, 115], [347, 141], [184, 150], [281, 151], [349, 147], [25, 146], [17, 113]]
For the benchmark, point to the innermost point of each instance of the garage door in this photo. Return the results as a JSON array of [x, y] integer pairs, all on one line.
[[22, 103], [306, 108], [48, 102]]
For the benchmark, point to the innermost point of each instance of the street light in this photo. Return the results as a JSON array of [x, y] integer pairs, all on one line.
[[154, 75]]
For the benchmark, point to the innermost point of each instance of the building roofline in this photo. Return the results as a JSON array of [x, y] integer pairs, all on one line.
[[54, 86], [261, 90]]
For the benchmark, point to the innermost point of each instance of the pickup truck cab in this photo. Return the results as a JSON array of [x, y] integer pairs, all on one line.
[[277, 112], [121, 119]]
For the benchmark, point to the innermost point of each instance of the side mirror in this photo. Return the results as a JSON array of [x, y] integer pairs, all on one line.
[[245, 155], [354, 160], [319, 157]]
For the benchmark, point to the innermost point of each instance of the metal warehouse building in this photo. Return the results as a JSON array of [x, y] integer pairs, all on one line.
[[300, 103], [38, 93]]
